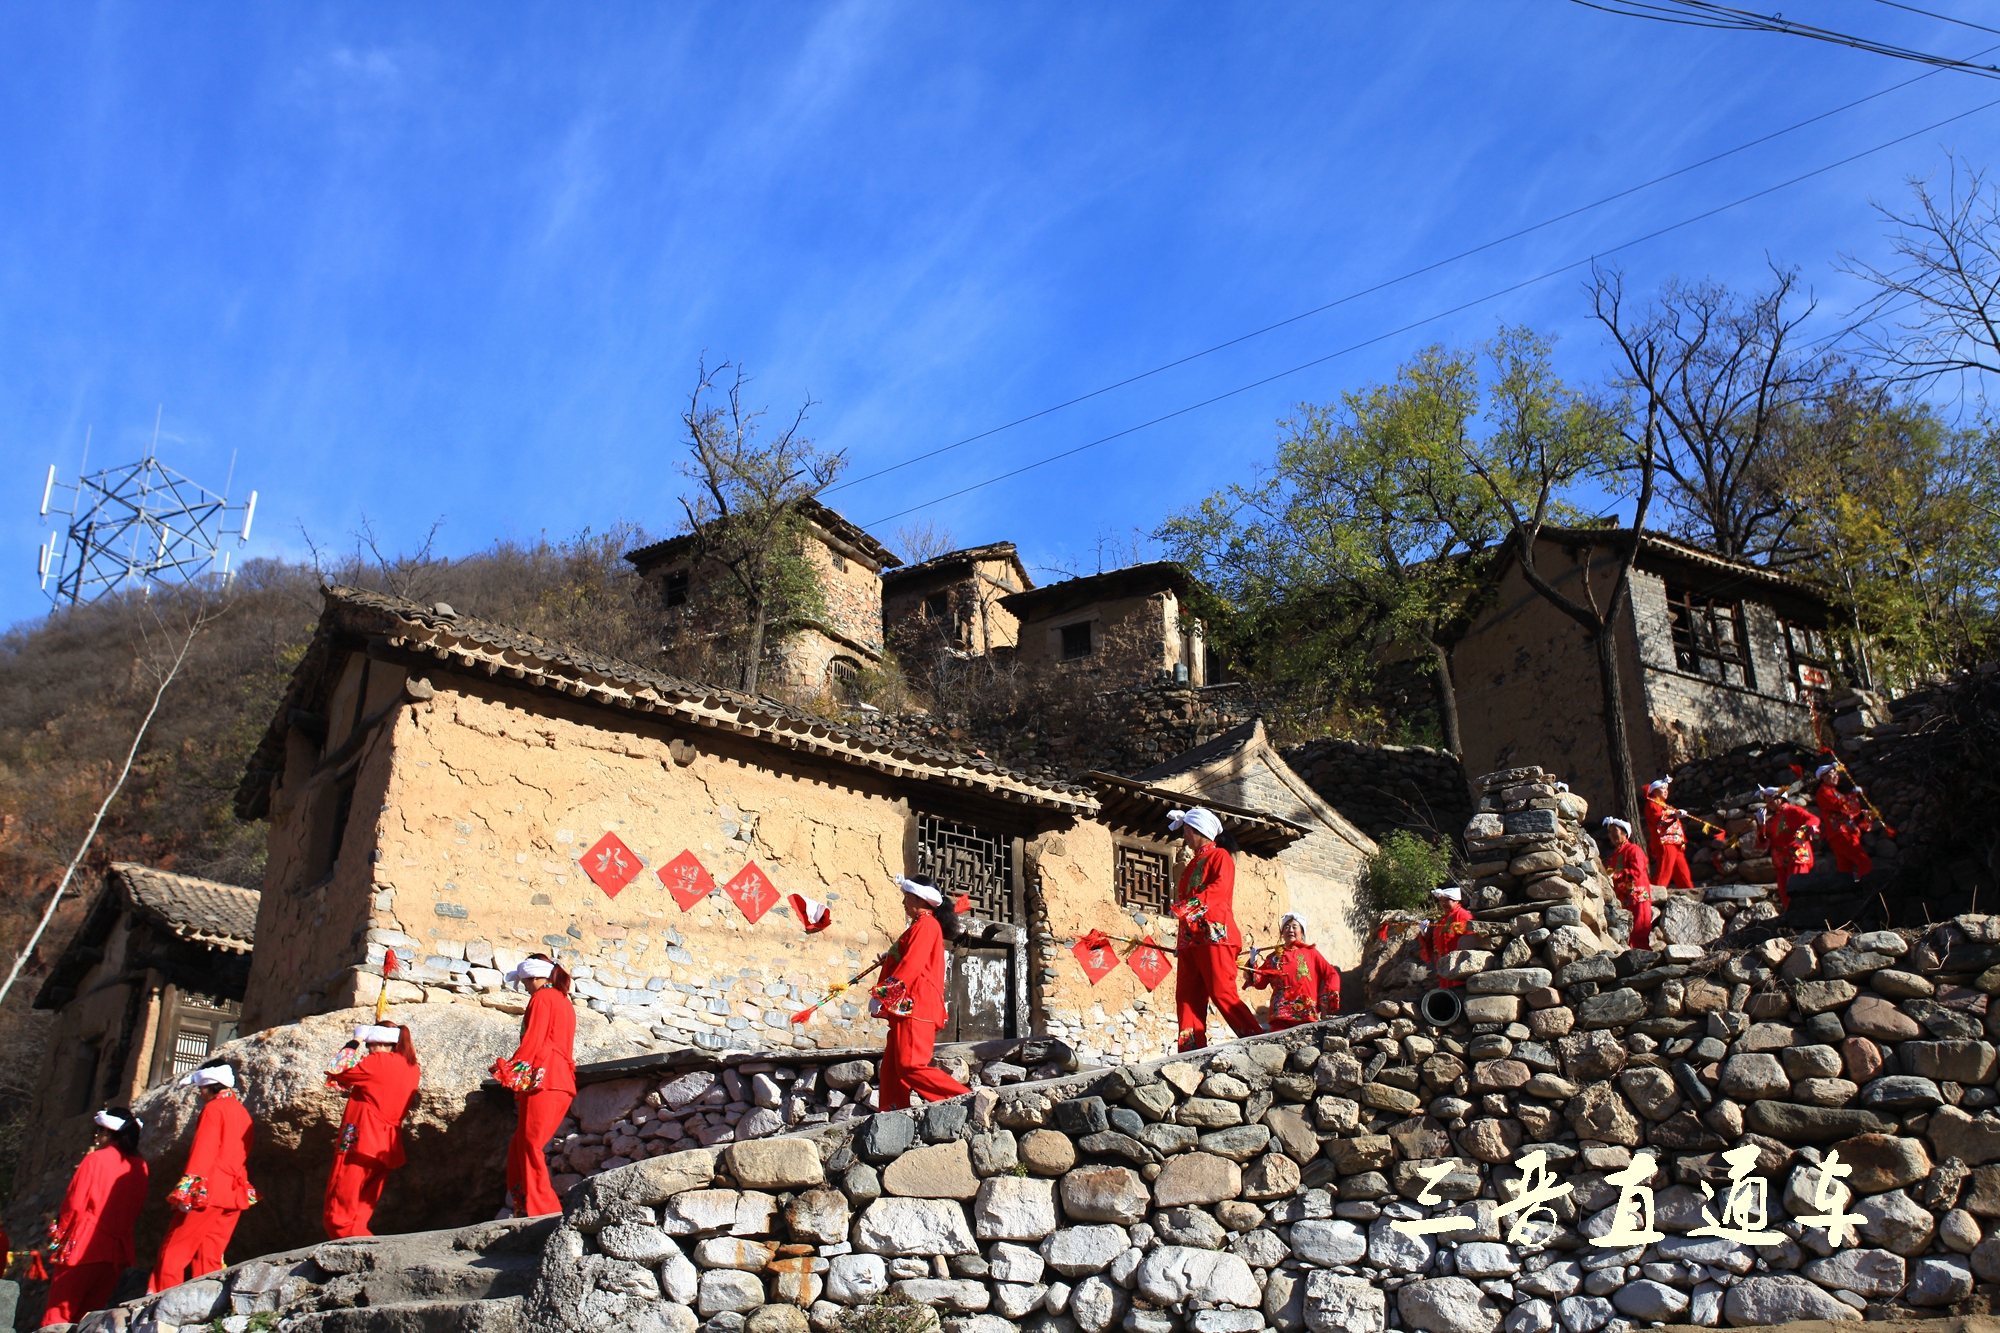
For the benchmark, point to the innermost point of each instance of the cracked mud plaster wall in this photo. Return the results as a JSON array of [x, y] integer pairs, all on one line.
[[461, 853]]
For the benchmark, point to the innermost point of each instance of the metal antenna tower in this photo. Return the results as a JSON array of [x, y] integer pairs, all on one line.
[[136, 525]]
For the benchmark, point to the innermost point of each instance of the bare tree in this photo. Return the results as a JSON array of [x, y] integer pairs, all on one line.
[[1721, 377], [746, 515], [1948, 282], [924, 540]]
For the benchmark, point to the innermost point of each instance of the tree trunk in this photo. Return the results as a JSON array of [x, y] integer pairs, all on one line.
[[753, 657], [1447, 699], [1624, 783]]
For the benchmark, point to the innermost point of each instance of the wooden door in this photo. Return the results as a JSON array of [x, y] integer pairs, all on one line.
[[977, 986]]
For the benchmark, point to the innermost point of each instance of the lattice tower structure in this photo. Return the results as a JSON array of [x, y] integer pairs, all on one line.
[[136, 525]]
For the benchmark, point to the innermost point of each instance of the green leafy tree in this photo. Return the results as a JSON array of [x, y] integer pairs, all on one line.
[[1543, 438], [1360, 537], [1902, 515], [746, 514], [1404, 870]]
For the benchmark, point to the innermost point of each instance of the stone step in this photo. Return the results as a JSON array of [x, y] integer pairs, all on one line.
[[475, 1316]]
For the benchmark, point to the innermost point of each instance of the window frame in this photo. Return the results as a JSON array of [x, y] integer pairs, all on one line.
[[674, 588], [1694, 631], [1063, 639]]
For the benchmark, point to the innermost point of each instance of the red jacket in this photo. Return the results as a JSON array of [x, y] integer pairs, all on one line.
[[101, 1208], [1788, 836], [1663, 824], [913, 975], [1205, 899], [221, 1151], [379, 1092], [1442, 937], [1307, 986], [548, 1040], [1630, 875], [1842, 810]]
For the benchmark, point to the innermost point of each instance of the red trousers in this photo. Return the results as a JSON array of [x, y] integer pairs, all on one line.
[[196, 1238], [1670, 866], [352, 1192], [529, 1191], [1847, 851], [1642, 924], [906, 1067], [75, 1292], [1206, 974]]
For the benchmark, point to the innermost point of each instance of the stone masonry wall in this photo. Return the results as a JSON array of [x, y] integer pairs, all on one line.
[[1256, 1185]]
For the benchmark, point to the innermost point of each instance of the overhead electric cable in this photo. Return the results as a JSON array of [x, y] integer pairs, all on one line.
[[1705, 14], [1942, 18], [1386, 283], [1437, 315]]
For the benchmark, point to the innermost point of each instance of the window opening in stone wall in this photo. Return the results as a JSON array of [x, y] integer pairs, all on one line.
[[190, 1049], [1143, 878], [843, 674], [677, 588], [959, 858], [1075, 641], [1710, 638], [343, 806], [839, 561], [1811, 662]]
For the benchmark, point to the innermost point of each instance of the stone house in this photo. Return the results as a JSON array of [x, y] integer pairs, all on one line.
[[152, 981], [466, 795], [1128, 625], [1713, 654], [821, 655], [1323, 865], [950, 606]]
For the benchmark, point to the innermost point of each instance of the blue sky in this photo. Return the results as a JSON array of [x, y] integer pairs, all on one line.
[[434, 262]]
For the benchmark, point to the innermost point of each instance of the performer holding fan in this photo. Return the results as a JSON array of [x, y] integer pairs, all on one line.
[[911, 997], [380, 1087], [215, 1189], [542, 1075], [90, 1241], [1205, 905]]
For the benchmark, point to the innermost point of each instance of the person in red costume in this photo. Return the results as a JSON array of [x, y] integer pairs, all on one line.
[[380, 1087], [91, 1241], [542, 1074], [1306, 988], [1843, 818], [911, 998], [1442, 936], [214, 1189], [1666, 840], [1632, 880], [1208, 941], [1787, 834]]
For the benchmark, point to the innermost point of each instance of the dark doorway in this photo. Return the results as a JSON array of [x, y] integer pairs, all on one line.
[[978, 984]]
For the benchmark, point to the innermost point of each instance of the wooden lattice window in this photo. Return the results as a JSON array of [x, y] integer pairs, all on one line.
[[1710, 637], [1143, 878], [960, 858], [190, 1049]]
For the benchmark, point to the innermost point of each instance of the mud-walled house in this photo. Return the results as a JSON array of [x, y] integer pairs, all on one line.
[[150, 983], [950, 604], [1714, 653], [465, 794], [1129, 626], [827, 654]]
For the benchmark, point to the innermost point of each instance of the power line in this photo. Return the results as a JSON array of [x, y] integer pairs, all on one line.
[[1434, 317], [1942, 18], [1705, 14], [1383, 285]]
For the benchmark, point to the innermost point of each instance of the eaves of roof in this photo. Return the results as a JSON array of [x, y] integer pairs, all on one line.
[[1132, 581], [470, 645], [1143, 808]]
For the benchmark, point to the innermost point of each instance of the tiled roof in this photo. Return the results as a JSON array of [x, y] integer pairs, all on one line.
[[953, 559], [830, 521], [500, 651], [199, 911], [1131, 581]]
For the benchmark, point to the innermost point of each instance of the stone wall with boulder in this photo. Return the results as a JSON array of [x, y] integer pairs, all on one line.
[[1254, 1186]]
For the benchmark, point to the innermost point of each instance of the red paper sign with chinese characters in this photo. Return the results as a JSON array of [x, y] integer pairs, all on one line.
[[610, 864], [687, 879], [752, 891], [1150, 962], [1099, 959]]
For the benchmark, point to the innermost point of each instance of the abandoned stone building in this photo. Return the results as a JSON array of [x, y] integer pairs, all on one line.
[[1713, 653], [949, 605], [466, 795], [820, 655], [1127, 626], [152, 981]]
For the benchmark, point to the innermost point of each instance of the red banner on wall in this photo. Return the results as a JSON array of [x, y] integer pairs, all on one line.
[[687, 879]]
